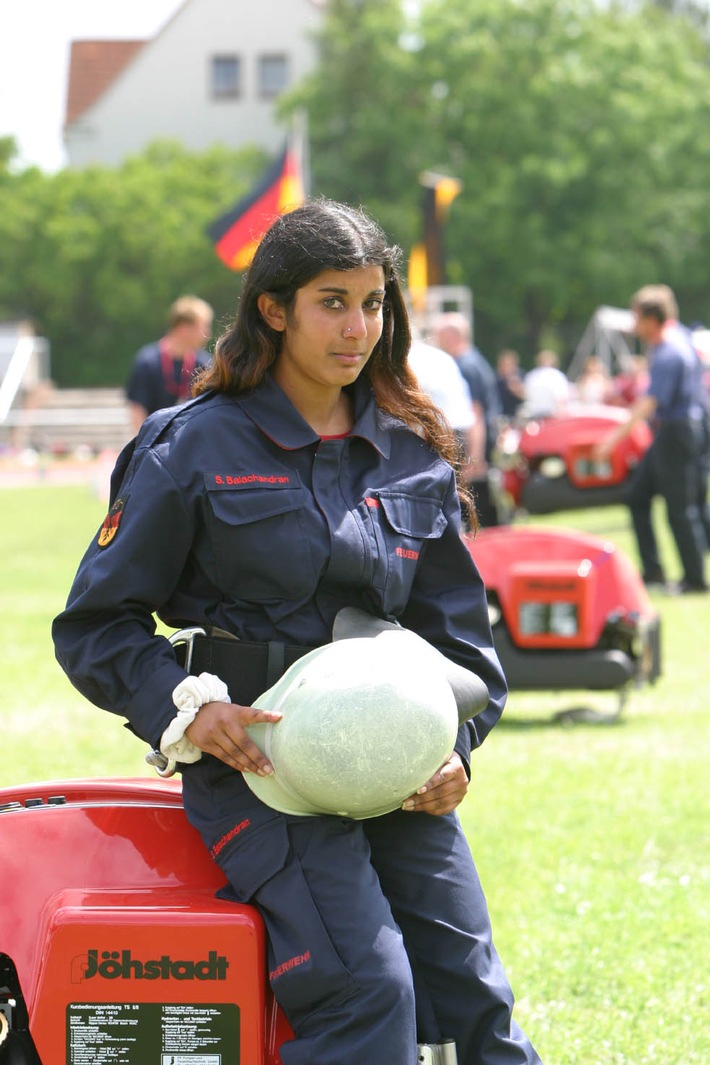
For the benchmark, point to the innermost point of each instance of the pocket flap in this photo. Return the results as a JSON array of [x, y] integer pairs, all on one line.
[[255, 856], [242, 508], [416, 516]]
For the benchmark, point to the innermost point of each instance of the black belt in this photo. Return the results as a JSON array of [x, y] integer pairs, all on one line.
[[248, 669]]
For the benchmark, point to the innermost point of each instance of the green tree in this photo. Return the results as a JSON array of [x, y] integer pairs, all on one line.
[[94, 257], [578, 131], [364, 106], [695, 12], [8, 151]]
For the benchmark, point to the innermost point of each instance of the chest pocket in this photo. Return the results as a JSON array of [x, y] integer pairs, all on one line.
[[260, 542], [417, 517], [401, 524]]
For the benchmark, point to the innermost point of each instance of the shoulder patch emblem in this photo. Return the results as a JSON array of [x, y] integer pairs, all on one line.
[[111, 522]]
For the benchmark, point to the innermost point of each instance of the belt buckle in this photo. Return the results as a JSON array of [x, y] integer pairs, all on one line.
[[167, 767], [187, 637]]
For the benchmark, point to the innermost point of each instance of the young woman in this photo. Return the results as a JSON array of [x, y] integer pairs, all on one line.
[[309, 473]]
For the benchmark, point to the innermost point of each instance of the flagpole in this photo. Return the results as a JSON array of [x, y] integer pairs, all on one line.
[[299, 142]]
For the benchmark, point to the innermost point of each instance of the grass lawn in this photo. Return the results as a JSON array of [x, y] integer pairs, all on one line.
[[592, 841]]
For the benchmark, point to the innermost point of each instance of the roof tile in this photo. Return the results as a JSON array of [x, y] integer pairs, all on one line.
[[93, 65]]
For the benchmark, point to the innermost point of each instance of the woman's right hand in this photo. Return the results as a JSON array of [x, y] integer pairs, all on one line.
[[220, 729]]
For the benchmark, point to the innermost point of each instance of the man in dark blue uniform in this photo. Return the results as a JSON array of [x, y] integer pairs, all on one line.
[[163, 372], [671, 467]]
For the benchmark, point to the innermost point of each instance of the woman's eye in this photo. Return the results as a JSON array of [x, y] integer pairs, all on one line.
[[332, 301], [374, 305]]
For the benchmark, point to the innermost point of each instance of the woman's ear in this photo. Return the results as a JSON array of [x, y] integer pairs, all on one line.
[[272, 312]]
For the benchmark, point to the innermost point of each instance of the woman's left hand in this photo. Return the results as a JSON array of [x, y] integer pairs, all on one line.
[[443, 792]]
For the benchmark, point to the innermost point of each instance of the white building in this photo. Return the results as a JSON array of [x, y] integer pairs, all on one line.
[[211, 75]]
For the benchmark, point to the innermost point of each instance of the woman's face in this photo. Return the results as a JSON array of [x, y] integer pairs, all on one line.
[[335, 323]]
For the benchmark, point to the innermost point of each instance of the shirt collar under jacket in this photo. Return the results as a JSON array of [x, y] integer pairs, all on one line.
[[273, 413]]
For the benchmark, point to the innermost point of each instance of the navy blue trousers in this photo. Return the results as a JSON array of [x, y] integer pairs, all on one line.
[[671, 468], [378, 930]]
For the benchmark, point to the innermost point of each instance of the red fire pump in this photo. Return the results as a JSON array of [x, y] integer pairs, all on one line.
[[548, 464], [113, 946], [569, 611]]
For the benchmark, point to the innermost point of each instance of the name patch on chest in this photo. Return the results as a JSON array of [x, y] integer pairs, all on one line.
[[221, 479]]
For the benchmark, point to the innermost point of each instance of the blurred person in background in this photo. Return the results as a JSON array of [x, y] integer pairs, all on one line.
[[509, 382], [547, 388], [452, 333], [673, 404], [438, 376], [701, 343], [163, 371], [593, 384], [632, 382]]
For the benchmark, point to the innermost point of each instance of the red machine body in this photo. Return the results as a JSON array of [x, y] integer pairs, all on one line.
[[548, 464], [568, 610], [113, 945]]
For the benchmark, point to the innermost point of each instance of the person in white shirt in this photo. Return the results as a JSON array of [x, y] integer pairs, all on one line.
[[441, 379], [547, 389]]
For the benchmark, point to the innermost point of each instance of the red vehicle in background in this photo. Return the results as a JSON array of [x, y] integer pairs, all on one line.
[[548, 464], [569, 611]]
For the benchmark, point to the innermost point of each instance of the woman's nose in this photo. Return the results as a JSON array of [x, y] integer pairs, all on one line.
[[356, 325]]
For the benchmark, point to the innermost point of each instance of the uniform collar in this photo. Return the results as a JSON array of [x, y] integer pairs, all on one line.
[[273, 413]]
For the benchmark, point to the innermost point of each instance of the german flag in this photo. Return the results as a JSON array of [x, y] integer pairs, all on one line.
[[237, 233]]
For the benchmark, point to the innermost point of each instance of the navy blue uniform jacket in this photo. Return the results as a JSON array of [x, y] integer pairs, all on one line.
[[232, 512]]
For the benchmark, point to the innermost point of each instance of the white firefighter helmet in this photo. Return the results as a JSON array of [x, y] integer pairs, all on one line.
[[366, 721]]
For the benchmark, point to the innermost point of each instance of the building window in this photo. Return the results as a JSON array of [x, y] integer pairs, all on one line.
[[272, 75], [226, 76]]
